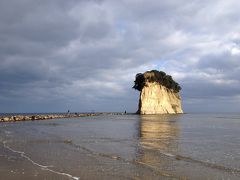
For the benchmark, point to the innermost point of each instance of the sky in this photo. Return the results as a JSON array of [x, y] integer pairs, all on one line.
[[83, 55]]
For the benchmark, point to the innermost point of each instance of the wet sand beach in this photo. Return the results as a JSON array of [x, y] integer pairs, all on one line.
[[187, 146]]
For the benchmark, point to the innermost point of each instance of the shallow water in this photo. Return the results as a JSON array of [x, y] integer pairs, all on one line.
[[188, 146]]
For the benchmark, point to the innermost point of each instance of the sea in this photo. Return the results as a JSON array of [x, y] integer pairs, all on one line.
[[186, 146]]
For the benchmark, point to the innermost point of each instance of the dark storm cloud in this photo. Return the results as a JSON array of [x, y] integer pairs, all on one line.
[[83, 55]]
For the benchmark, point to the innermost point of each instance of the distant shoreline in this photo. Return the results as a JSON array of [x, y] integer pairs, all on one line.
[[33, 117]]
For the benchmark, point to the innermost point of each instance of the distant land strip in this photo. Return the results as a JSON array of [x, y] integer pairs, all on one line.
[[32, 117]]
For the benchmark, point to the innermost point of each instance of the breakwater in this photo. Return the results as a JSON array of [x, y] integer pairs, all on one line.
[[32, 117]]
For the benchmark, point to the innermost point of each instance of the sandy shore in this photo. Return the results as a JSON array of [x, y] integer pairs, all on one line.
[[111, 146]]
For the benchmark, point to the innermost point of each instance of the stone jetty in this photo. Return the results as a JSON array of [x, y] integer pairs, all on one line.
[[33, 117]]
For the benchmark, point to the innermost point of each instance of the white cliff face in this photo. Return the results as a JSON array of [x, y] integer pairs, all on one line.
[[157, 99]]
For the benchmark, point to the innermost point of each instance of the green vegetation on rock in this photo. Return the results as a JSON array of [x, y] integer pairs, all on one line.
[[158, 77]]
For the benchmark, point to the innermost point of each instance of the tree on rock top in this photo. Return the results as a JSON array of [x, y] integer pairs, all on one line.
[[158, 77]]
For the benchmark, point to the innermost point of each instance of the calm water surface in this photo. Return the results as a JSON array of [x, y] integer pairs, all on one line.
[[188, 146]]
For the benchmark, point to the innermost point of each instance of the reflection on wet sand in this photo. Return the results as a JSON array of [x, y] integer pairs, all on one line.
[[162, 149], [159, 132], [159, 141]]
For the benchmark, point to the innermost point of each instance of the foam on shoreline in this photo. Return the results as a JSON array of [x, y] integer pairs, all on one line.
[[43, 167]]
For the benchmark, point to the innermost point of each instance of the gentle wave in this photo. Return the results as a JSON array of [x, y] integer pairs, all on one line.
[[119, 158], [22, 154], [205, 163], [228, 117]]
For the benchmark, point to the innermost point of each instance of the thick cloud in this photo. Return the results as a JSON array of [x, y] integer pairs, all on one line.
[[83, 55]]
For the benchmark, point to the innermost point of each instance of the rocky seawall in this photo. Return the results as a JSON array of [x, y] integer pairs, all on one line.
[[157, 99], [33, 117]]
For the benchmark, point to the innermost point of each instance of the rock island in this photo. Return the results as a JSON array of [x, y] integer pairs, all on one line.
[[159, 93]]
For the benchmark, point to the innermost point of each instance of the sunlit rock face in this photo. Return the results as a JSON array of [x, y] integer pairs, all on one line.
[[159, 93], [157, 99]]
